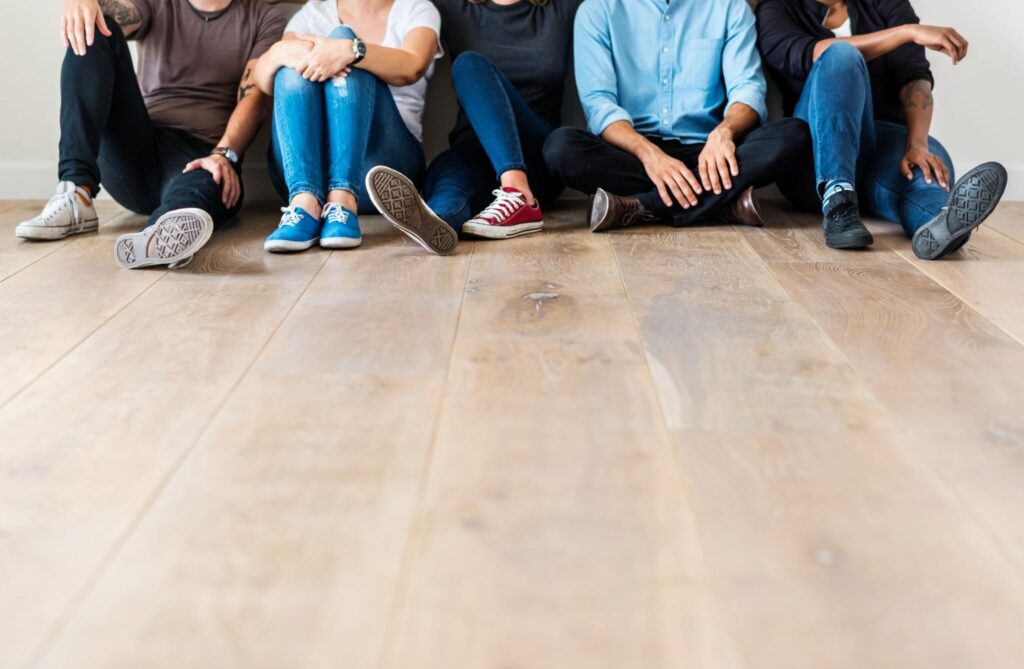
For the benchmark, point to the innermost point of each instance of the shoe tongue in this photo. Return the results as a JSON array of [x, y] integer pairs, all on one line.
[[65, 187], [509, 189]]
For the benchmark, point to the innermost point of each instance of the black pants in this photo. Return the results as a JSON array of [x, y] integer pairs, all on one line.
[[107, 136], [586, 162]]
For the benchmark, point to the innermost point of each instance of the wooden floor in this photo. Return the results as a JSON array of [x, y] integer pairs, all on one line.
[[709, 448]]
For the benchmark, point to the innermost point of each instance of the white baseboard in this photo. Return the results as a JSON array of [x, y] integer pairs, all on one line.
[[34, 180]]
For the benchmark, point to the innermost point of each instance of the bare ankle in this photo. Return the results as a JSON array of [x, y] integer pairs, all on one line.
[[344, 198], [517, 179], [308, 202]]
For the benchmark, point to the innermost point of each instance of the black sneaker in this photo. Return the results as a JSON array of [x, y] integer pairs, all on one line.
[[843, 227], [973, 199]]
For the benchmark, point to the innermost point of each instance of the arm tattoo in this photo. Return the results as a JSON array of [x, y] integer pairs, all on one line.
[[917, 95], [125, 12], [247, 86]]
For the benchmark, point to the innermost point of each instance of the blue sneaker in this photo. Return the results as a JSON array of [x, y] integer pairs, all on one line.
[[297, 231], [341, 228]]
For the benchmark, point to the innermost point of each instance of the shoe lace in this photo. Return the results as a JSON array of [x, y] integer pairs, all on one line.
[[846, 215], [289, 217], [634, 212], [335, 213], [505, 204], [57, 205]]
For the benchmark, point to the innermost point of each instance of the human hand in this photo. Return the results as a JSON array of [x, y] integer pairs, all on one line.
[[671, 177], [78, 24], [717, 162], [918, 155], [223, 173], [327, 58], [946, 40]]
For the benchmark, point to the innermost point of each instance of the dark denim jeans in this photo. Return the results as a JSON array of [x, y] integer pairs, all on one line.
[[507, 135], [850, 145], [107, 136], [326, 136]]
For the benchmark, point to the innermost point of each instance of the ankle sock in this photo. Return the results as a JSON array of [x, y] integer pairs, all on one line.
[[834, 187]]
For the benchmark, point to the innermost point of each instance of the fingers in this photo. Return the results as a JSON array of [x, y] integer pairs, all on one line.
[[689, 197], [663, 192], [734, 165], [926, 170], [959, 42], [723, 171], [229, 193], [101, 21], [941, 172], [674, 183], [705, 178], [691, 178], [90, 28], [907, 169], [79, 34], [713, 176], [64, 31], [194, 165]]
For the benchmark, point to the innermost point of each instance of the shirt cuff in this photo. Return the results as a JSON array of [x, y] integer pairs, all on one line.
[[751, 97], [603, 116]]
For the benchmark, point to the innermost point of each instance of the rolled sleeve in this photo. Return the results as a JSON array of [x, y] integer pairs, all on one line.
[[744, 76], [596, 78], [751, 96]]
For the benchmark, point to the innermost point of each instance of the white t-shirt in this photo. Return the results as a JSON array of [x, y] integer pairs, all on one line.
[[320, 17], [845, 30]]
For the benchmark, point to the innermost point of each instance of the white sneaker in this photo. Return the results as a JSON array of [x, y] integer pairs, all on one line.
[[69, 212], [172, 240]]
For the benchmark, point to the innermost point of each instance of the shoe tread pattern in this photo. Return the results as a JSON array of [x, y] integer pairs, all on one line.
[[403, 205], [175, 237]]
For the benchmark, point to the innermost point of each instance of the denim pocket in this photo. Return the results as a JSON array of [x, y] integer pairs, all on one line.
[[702, 63]]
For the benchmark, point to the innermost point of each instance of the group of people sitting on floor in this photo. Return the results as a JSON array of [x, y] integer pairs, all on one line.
[[673, 92]]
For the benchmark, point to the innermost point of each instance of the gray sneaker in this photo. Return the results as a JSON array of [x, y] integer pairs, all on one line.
[[171, 241]]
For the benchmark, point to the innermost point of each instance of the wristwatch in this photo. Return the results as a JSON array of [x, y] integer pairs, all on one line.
[[359, 49], [228, 153]]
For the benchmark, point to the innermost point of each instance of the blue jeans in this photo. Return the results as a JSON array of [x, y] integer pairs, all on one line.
[[326, 136], [507, 135], [851, 145]]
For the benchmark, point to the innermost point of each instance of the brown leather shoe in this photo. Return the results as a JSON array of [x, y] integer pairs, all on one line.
[[744, 210], [609, 211]]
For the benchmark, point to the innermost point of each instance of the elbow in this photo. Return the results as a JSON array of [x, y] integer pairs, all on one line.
[[406, 78]]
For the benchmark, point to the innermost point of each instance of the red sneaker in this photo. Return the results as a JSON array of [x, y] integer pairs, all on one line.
[[508, 216]]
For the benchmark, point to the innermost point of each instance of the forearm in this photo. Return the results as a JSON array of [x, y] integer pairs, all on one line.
[[872, 45], [918, 105], [739, 120], [396, 67], [125, 13], [252, 110], [622, 135]]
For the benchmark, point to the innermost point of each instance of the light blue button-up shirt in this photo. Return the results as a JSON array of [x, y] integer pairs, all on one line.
[[670, 67]]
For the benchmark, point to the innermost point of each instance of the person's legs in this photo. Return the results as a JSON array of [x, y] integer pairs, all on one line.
[[837, 106], [459, 182], [298, 157], [890, 195], [511, 134]]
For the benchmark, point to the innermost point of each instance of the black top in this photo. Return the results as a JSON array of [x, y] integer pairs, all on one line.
[[789, 29], [529, 44]]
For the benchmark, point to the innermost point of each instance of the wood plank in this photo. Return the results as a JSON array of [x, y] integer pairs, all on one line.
[[1009, 220], [948, 375], [17, 254], [285, 535], [984, 274], [63, 297], [807, 503], [89, 443], [555, 532]]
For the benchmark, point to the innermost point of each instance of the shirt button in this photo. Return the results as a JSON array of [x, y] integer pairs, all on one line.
[[667, 19], [664, 111], [665, 81], [665, 49]]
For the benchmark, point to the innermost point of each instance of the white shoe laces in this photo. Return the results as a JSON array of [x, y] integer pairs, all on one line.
[[57, 205], [335, 213], [290, 218], [503, 207]]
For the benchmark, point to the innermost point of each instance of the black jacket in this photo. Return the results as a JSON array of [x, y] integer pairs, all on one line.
[[789, 29]]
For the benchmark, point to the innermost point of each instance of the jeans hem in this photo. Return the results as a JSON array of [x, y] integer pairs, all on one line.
[[521, 167], [303, 189], [343, 185]]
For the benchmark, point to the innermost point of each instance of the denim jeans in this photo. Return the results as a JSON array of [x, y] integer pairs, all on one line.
[[849, 144], [326, 136], [107, 137], [507, 135]]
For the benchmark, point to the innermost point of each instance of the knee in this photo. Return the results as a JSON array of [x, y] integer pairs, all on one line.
[[342, 32], [842, 57], [470, 62], [561, 149], [102, 44], [288, 81]]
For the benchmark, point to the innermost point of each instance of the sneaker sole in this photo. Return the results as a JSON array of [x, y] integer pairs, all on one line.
[[397, 199], [46, 233], [854, 242], [975, 196], [597, 212], [175, 236], [285, 246], [340, 242], [501, 231]]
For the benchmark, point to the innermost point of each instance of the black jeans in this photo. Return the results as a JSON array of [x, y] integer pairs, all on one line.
[[586, 162], [107, 136]]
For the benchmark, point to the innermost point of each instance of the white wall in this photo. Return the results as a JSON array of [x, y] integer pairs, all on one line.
[[979, 104]]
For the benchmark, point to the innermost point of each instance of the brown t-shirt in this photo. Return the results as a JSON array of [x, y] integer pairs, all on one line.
[[190, 66]]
